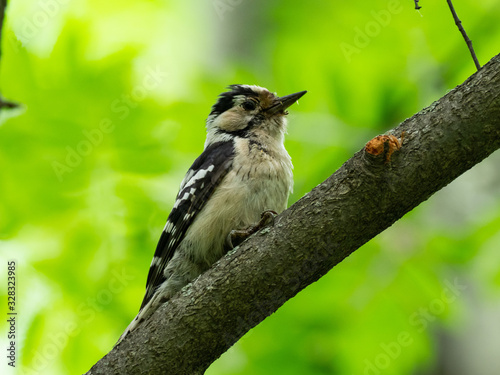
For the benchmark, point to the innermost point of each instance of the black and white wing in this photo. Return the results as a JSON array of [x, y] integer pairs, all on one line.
[[202, 178]]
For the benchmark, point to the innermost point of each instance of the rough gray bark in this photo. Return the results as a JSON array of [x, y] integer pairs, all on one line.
[[372, 190]]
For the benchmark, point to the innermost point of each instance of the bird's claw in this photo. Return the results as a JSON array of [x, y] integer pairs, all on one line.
[[237, 236]]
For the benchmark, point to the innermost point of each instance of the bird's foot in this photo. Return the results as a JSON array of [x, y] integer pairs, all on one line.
[[236, 237]]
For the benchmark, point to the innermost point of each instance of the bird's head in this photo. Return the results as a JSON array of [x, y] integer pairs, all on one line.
[[246, 111]]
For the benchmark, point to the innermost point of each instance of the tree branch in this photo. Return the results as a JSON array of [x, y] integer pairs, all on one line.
[[372, 190], [4, 103], [464, 34], [3, 6]]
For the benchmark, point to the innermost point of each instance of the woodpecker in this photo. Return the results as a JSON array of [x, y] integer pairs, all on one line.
[[243, 172]]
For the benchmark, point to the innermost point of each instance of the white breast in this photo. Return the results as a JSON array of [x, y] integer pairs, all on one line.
[[260, 179]]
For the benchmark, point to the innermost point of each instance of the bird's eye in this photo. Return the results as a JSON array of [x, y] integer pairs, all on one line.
[[249, 105]]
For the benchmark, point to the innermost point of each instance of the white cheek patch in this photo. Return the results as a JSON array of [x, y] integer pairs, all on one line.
[[232, 120]]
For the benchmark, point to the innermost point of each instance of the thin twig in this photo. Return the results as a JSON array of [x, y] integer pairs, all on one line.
[[6, 104], [464, 34], [417, 7], [3, 5]]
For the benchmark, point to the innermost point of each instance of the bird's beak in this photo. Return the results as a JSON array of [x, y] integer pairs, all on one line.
[[281, 104]]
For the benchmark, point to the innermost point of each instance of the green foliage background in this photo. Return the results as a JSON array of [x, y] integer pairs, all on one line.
[[114, 96]]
